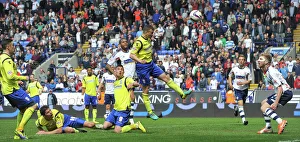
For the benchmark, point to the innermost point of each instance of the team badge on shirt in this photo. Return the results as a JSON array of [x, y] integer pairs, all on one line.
[[9, 72]]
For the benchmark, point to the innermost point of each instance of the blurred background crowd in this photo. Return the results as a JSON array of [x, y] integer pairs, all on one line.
[[197, 55]]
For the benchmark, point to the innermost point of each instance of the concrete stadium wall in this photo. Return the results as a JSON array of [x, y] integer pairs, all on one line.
[[73, 61], [46, 64]]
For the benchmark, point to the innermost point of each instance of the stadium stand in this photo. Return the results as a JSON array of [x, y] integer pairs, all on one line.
[[91, 30]]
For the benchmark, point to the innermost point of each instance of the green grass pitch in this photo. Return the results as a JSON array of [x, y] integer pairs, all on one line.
[[169, 129]]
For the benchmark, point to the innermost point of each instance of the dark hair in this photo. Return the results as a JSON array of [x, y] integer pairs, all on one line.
[[147, 28], [5, 42], [119, 65], [121, 40], [43, 109]]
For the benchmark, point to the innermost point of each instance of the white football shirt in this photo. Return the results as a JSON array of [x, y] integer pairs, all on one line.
[[275, 78], [290, 65], [108, 80], [126, 61], [240, 75]]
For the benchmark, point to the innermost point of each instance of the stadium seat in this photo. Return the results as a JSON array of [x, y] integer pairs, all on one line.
[[163, 47], [23, 43], [109, 44], [158, 52], [177, 52], [171, 52], [164, 52], [222, 87]]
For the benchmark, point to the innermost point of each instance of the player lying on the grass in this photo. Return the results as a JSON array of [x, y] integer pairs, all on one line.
[[120, 114], [57, 123], [282, 94]]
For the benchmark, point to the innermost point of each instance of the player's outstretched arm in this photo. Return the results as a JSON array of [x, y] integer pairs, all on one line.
[[135, 58], [132, 85], [99, 88], [230, 79], [9, 70], [109, 68], [56, 131], [83, 87], [38, 126]]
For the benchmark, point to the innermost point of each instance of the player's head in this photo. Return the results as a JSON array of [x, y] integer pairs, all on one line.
[[46, 111], [264, 59], [8, 46], [148, 31], [90, 71], [124, 44], [119, 71], [241, 60], [32, 78]]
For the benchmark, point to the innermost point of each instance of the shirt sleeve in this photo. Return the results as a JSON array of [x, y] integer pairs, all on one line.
[[39, 85], [231, 73], [275, 75], [97, 81], [102, 79], [112, 59], [129, 81], [9, 71], [83, 82], [37, 123], [28, 88], [249, 75], [137, 45], [59, 119]]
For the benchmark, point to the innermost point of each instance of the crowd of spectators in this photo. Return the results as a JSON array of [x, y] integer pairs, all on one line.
[[204, 51]]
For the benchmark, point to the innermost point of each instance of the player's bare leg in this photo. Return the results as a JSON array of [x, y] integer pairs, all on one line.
[[107, 125], [174, 86], [270, 113]]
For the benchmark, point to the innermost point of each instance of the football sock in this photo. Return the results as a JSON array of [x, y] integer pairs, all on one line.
[[267, 120], [128, 128], [86, 114], [26, 117], [75, 130], [19, 118], [175, 87], [131, 113], [94, 114], [147, 103], [242, 113], [273, 115], [107, 111]]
